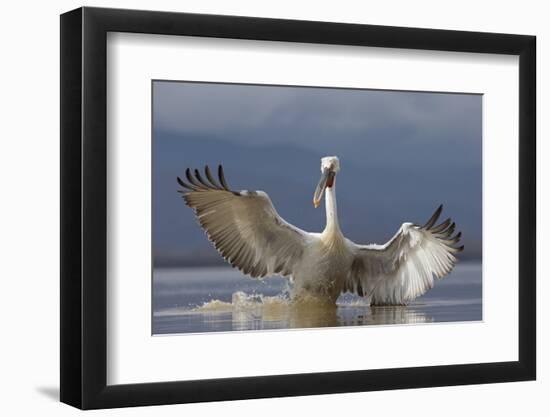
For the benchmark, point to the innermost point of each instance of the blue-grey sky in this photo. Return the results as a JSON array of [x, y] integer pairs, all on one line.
[[401, 155]]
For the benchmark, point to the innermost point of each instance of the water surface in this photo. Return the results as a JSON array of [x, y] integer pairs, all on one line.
[[196, 300]]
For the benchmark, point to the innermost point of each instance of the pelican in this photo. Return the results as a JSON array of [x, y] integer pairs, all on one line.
[[249, 234]]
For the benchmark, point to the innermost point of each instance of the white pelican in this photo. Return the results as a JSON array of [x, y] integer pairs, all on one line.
[[247, 231]]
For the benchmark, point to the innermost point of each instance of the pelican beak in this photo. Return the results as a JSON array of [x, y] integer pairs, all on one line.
[[327, 178]]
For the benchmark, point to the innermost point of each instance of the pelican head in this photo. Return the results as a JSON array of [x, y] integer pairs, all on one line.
[[330, 165]]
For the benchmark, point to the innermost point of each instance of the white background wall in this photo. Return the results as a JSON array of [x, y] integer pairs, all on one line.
[[29, 211]]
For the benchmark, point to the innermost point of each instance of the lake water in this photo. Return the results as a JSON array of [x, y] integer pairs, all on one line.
[[196, 300]]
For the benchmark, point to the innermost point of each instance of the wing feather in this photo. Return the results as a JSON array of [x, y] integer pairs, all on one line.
[[243, 226], [407, 265]]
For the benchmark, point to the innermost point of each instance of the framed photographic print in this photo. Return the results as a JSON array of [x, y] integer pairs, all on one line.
[[258, 207]]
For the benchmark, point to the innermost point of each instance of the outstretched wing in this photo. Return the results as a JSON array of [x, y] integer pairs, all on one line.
[[243, 225], [406, 266]]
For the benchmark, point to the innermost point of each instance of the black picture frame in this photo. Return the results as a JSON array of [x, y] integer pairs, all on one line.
[[84, 207]]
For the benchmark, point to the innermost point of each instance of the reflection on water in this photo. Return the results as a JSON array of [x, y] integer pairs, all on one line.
[[221, 299], [283, 315]]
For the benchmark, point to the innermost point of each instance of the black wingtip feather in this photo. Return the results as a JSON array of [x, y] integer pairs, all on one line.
[[450, 230], [441, 226], [191, 179], [202, 181], [222, 178], [434, 217], [185, 185], [210, 177]]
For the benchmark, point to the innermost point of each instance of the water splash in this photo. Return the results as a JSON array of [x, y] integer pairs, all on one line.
[[242, 301]]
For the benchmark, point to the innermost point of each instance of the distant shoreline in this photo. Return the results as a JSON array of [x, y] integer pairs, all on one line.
[[220, 262]]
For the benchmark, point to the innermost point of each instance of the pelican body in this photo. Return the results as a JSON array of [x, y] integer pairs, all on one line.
[[249, 234]]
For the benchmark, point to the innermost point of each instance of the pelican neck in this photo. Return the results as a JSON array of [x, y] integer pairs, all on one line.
[[332, 225]]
